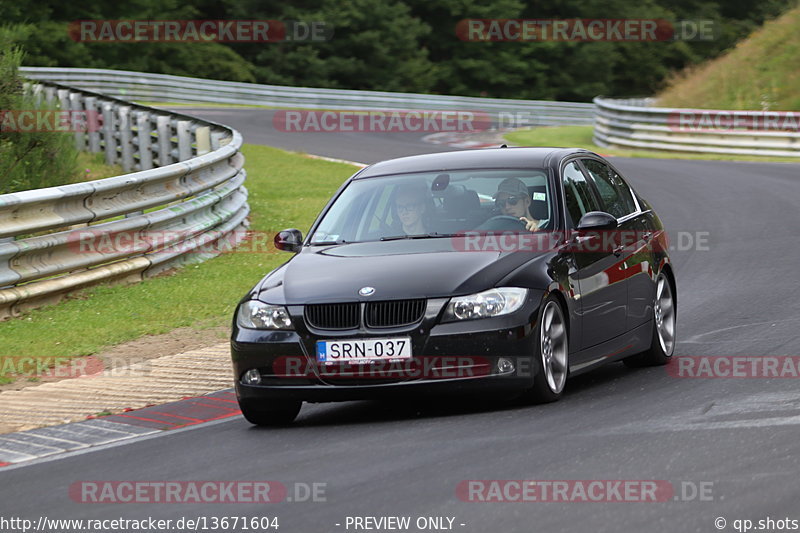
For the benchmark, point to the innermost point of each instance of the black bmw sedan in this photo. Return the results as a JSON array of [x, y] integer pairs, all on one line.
[[480, 271]]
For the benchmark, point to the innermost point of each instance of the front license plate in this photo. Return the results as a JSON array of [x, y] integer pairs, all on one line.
[[364, 350]]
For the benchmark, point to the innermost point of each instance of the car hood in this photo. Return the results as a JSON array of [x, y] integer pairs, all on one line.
[[425, 268]]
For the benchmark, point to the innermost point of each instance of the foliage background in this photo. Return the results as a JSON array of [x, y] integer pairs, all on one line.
[[396, 45], [28, 160]]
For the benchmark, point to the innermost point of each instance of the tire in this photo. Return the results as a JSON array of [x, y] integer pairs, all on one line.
[[282, 414], [551, 354], [665, 312]]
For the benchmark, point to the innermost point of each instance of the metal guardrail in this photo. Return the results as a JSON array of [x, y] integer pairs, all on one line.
[[636, 123], [184, 201], [164, 88]]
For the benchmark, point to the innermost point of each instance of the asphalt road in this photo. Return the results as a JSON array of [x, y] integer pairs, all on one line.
[[738, 438], [260, 126]]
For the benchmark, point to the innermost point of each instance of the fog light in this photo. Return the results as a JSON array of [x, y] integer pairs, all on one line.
[[505, 365], [252, 377]]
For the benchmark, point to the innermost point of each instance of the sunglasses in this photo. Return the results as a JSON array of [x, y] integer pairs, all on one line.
[[512, 201]]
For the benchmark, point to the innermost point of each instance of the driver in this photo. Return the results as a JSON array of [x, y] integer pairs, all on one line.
[[513, 200]]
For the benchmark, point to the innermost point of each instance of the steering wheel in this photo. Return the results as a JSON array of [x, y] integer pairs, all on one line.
[[504, 217], [502, 222]]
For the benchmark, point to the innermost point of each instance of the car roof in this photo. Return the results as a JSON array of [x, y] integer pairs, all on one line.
[[521, 157]]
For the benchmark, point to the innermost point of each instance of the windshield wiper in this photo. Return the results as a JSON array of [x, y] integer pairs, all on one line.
[[389, 238], [328, 243], [418, 236]]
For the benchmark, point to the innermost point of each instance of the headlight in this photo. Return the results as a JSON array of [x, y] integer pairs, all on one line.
[[258, 315], [494, 302]]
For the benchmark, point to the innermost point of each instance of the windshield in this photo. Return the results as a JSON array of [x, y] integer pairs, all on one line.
[[434, 204]]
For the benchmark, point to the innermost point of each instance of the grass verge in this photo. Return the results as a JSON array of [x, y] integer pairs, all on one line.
[[93, 167], [760, 72], [581, 137], [286, 190]]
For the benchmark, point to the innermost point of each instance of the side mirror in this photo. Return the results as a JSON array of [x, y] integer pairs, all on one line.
[[595, 220], [289, 240]]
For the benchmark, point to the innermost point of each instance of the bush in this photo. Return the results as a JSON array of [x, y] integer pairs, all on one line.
[[28, 160]]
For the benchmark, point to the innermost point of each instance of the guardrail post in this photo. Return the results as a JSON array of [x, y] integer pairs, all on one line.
[[109, 137], [125, 141], [76, 123], [184, 140], [34, 92], [50, 95], [164, 133], [94, 124], [216, 139], [37, 95], [63, 99], [145, 139], [202, 139]]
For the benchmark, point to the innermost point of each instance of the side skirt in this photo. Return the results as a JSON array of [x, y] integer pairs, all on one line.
[[629, 343]]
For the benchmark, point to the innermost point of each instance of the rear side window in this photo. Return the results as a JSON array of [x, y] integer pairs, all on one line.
[[614, 192], [577, 193]]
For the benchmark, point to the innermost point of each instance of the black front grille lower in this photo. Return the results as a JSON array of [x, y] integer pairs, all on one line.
[[333, 316], [390, 314], [394, 313]]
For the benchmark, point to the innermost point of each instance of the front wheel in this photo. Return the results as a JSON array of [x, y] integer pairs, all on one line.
[[280, 414], [662, 344], [551, 354]]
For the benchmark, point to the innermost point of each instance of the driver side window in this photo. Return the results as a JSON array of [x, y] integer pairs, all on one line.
[[577, 193], [615, 193]]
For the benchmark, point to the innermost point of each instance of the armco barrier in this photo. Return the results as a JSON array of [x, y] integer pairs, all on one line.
[[164, 88], [186, 181], [636, 123]]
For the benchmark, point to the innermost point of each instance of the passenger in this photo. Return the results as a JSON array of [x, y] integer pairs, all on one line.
[[513, 200], [411, 206]]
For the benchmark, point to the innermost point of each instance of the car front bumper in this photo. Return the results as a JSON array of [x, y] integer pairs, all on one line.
[[449, 358]]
